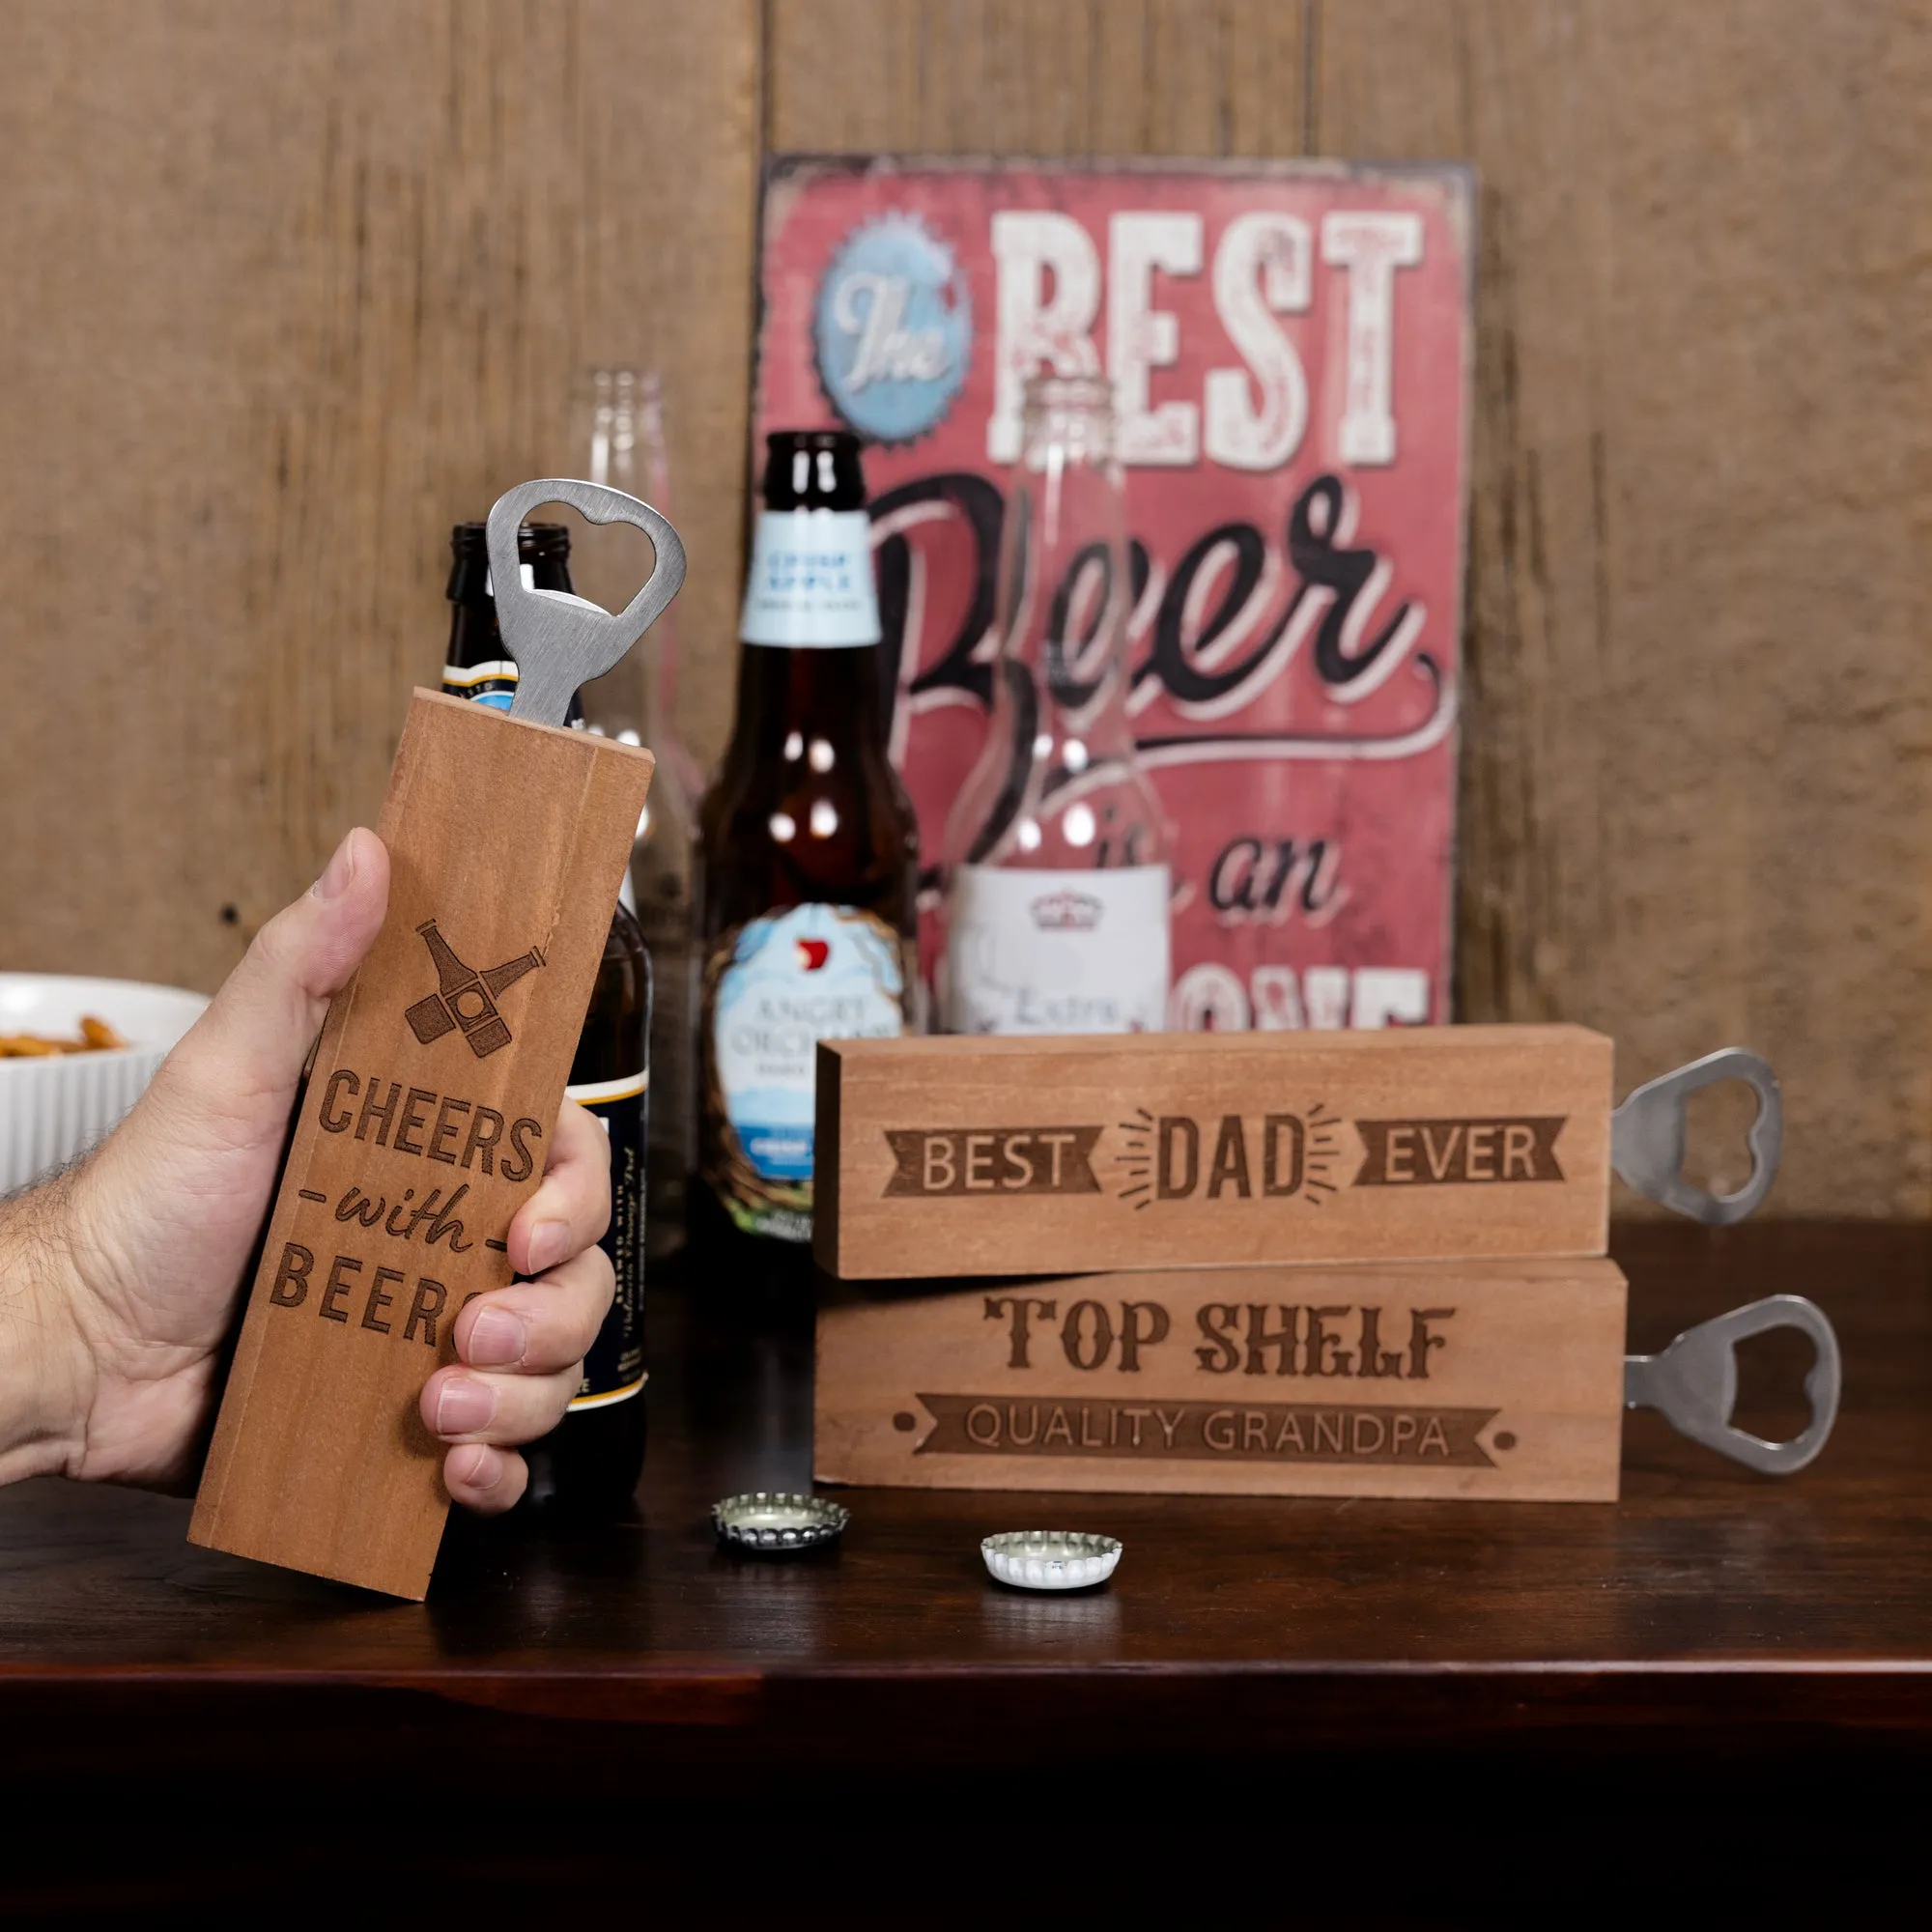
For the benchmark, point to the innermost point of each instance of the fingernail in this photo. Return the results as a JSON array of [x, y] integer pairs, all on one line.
[[495, 1337], [462, 1406], [550, 1243], [473, 1466], [339, 871]]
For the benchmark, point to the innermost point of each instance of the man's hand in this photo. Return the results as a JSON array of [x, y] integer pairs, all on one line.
[[117, 1281]]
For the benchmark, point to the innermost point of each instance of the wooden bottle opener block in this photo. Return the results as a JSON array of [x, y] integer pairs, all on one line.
[[425, 1123], [1499, 1380], [970, 1156]]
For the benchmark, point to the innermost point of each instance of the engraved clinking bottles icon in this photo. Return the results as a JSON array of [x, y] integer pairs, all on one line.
[[466, 998]]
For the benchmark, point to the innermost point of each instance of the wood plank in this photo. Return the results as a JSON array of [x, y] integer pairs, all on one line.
[[291, 289], [1035, 76], [1497, 1382], [1008, 1156], [1696, 802], [429, 1107]]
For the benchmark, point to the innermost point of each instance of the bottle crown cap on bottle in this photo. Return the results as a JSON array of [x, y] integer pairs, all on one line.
[[533, 540], [469, 553], [813, 469]]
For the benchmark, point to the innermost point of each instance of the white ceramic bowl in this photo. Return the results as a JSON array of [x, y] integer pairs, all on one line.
[[1051, 1559], [55, 1107]]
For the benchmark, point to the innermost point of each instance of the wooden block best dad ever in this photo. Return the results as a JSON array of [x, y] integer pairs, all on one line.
[[425, 1123], [1499, 1380], [971, 1156]]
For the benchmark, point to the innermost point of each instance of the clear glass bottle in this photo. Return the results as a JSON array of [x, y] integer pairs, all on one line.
[[618, 439], [1055, 854]]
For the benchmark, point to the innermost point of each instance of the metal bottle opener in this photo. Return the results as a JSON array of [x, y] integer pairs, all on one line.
[[1647, 1139], [560, 641], [1693, 1384]]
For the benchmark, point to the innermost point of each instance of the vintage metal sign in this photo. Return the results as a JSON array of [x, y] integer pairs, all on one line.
[[1289, 347]]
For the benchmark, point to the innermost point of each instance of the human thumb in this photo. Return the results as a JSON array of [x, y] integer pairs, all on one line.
[[161, 1220], [248, 1049]]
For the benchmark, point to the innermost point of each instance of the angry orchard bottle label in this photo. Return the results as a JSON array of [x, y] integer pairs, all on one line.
[[772, 990]]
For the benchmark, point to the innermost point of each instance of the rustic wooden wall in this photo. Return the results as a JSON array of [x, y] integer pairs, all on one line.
[[1694, 803], [289, 287]]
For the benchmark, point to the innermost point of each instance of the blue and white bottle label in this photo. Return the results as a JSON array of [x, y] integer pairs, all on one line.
[[776, 988], [810, 587]]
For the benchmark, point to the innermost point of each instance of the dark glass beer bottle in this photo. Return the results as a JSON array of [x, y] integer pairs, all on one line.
[[808, 852], [590, 1463]]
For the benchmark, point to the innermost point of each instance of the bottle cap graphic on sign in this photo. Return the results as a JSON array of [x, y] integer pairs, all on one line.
[[892, 330]]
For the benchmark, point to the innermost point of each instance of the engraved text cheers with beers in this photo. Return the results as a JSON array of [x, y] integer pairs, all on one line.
[[420, 1125]]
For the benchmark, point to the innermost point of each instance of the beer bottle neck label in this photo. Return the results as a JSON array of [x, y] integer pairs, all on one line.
[[494, 684], [810, 587]]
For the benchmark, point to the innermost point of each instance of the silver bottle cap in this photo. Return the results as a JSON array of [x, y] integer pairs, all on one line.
[[1051, 1559], [768, 1524]]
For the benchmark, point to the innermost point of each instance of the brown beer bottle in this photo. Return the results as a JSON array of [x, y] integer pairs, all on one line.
[[807, 856], [589, 1463]]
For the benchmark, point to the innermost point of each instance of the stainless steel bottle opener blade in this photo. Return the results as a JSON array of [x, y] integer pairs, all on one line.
[[560, 641], [1693, 1384], [1647, 1137]]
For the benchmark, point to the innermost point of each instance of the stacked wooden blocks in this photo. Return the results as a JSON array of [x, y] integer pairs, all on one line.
[[1292, 1263]]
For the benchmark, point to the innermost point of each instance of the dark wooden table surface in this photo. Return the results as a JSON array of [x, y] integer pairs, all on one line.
[[1733, 1641], [1708, 1596]]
